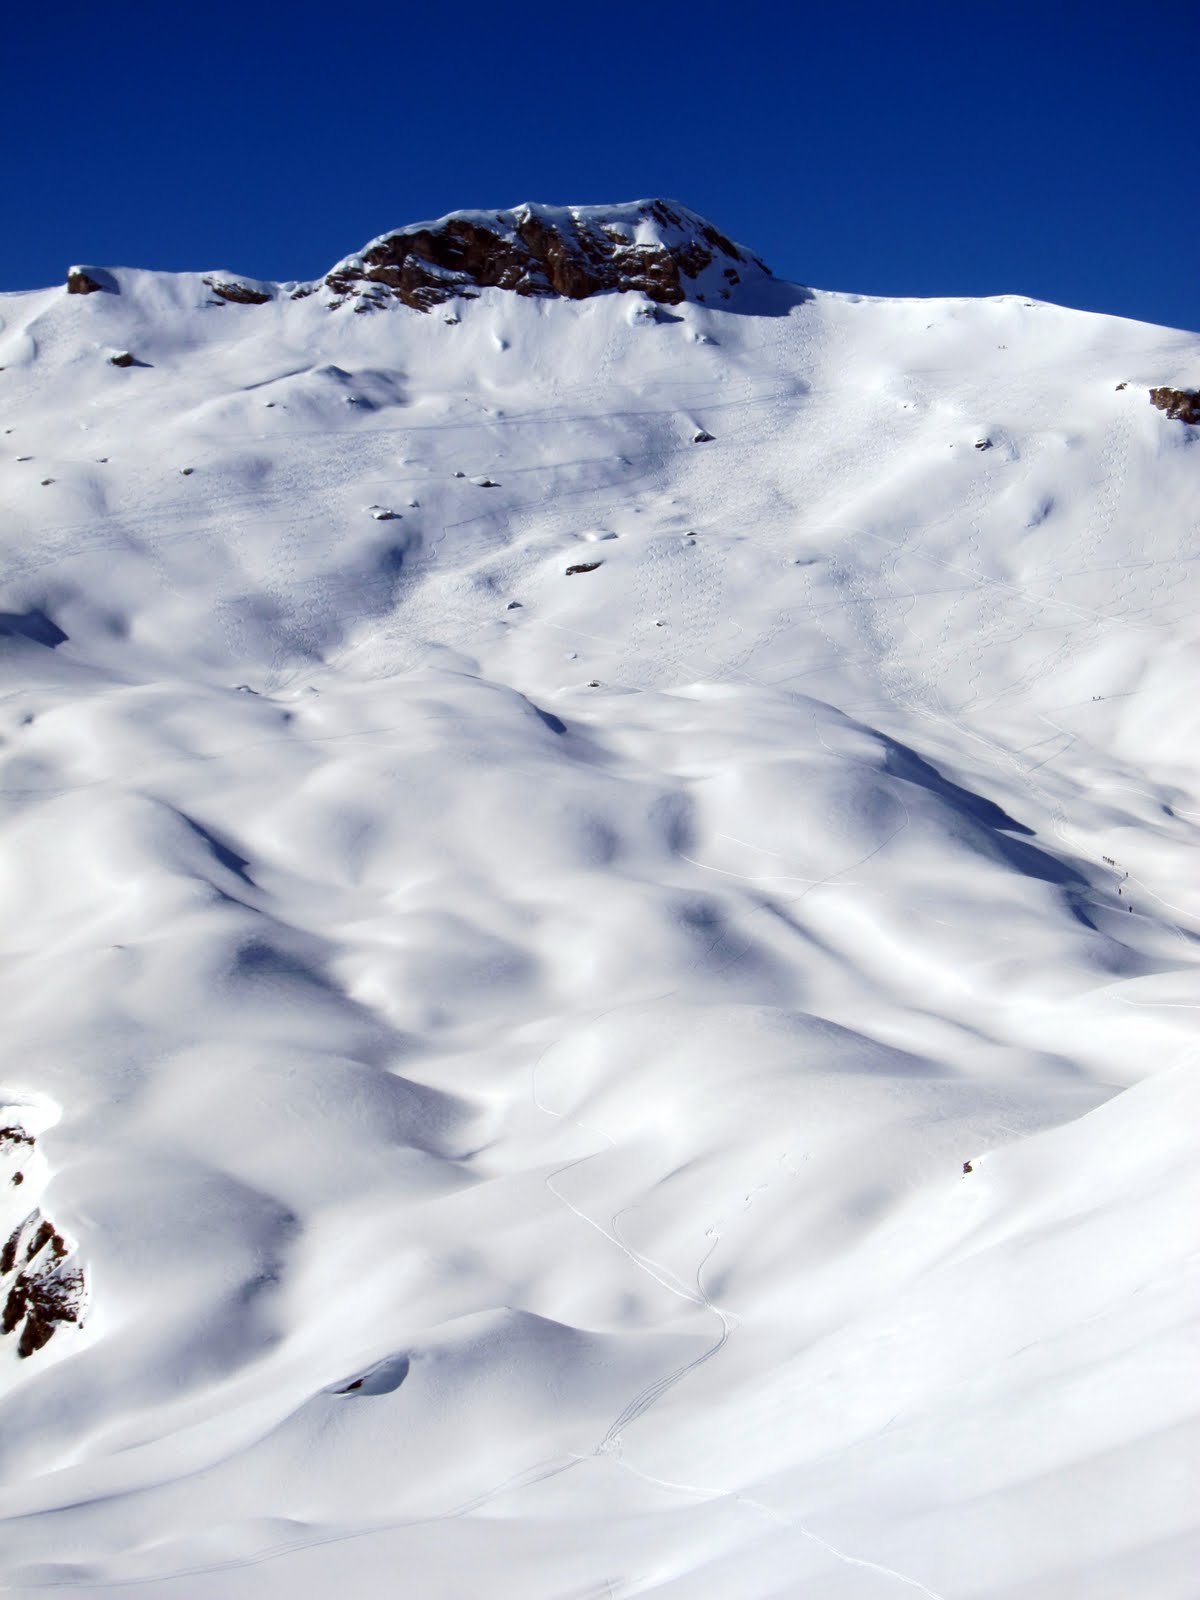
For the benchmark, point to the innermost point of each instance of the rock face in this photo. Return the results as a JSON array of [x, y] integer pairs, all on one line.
[[45, 1289], [667, 252], [1183, 405], [40, 1286]]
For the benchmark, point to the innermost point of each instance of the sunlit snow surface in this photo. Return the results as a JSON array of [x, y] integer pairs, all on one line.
[[571, 1018]]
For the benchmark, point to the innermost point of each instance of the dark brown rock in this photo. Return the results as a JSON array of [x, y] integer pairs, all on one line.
[[42, 1287], [47, 1288], [540, 251], [121, 359], [41, 1301], [8, 1255], [240, 294], [584, 566], [1182, 405], [81, 282]]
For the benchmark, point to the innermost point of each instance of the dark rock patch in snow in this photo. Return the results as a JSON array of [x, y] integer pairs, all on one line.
[[91, 280], [46, 1289], [41, 1287], [657, 248], [238, 292], [383, 1378], [1181, 405]]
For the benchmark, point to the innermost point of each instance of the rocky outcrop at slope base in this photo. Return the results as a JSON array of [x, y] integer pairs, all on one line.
[[1182, 405], [663, 250]]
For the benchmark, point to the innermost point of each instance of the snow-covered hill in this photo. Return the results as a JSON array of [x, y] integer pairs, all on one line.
[[600, 932]]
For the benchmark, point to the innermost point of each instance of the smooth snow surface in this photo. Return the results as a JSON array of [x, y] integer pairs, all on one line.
[[503, 1045]]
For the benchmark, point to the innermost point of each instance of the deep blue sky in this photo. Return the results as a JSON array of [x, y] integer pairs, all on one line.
[[923, 149]]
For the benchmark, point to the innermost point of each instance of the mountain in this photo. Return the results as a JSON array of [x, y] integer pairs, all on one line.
[[600, 930]]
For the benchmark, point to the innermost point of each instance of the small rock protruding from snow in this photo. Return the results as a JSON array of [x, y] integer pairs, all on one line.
[[702, 436], [122, 358], [238, 291], [89, 280]]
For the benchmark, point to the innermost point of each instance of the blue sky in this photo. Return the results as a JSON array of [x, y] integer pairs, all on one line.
[[889, 149]]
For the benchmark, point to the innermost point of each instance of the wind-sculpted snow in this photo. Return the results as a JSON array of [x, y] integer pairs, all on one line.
[[675, 1079]]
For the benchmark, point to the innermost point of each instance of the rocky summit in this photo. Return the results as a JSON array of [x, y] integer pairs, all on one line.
[[656, 246]]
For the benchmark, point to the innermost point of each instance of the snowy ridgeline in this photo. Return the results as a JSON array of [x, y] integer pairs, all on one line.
[[600, 926]]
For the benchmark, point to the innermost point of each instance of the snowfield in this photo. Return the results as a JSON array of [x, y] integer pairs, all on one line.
[[600, 932]]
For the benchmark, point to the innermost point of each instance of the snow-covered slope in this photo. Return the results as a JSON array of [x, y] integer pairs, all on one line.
[[600, 941]]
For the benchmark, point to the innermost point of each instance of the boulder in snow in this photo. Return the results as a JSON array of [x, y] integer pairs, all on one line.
[[1181, 405]]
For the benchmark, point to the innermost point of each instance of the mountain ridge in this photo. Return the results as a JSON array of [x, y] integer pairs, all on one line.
[[657, 247]]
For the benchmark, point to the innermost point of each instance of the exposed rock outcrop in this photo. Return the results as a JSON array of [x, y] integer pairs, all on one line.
[[1182, 405], [238, 292], [46, 1288], [662, 250], [86, 280], [41, 1287], [92, 280]]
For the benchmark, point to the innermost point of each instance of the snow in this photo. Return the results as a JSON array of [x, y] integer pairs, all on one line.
[[506, 1070]]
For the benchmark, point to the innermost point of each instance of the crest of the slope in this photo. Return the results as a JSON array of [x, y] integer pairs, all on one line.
[[658, 247]]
